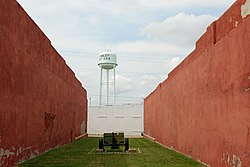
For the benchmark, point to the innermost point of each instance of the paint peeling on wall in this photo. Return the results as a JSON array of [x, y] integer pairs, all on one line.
[[245, 9], [7, 155], [236, 23], [231, 160]]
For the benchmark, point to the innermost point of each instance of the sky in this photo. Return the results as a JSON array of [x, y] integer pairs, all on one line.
[[149, 37]]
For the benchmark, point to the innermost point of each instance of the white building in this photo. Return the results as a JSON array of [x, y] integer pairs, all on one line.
[[120, 118]]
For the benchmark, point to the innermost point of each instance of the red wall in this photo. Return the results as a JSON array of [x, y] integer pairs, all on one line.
[[42, 104], [203, 108]]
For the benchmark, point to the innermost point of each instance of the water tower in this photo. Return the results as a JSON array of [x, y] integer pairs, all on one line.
[[107, 61]]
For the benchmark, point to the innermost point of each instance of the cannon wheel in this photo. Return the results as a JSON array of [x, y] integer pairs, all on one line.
[[126, 144], [101, 144]]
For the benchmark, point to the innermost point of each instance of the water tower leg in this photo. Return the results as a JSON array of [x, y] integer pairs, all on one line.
[[114, 87], [107, 87], [100, 95]]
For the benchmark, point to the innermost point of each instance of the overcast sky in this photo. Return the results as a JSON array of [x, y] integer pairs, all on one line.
[[150, 37]]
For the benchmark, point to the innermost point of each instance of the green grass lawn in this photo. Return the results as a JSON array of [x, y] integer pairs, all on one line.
[[78, 154]]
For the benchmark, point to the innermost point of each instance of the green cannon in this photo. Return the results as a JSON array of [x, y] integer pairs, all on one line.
[[114, 140]]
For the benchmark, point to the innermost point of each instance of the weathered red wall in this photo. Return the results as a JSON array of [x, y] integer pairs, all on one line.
[[203, 108], [42, 104]]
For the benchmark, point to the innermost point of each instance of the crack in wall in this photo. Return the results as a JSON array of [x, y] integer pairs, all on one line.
[[49, 125]]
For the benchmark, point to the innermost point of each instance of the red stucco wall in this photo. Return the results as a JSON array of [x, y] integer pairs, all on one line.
[[203, 108], [42, 104]]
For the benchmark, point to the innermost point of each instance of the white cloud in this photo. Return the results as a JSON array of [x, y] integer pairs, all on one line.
[[147, 47], [146, 79], [184, 3], [181, 29], [123, 84], [148, 42], [171, 64]]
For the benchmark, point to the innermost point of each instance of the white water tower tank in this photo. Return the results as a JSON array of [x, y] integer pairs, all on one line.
[[107, 60]]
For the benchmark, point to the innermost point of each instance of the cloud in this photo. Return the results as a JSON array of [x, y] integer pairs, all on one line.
[[181, 29], [148, 48], [184, 3], [158, 51], [149, 36], [169, 65], [130, 8], [147, 79], [123, 84]]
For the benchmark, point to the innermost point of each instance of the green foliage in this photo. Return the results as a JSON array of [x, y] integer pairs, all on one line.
[[77, 154]]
